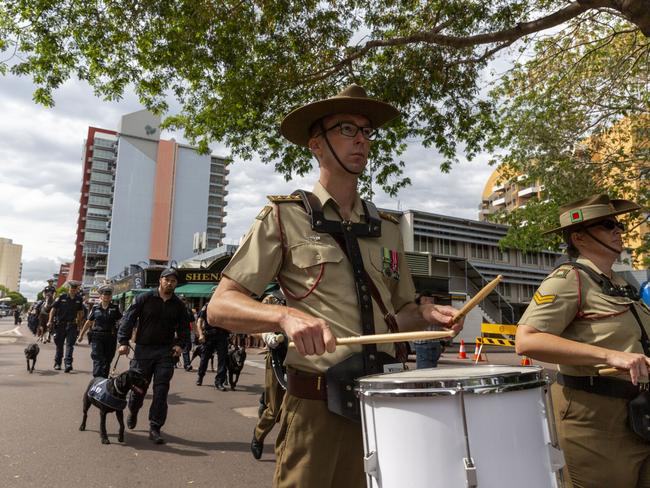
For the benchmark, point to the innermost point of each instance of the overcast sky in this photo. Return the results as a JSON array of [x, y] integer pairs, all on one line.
[[40, 176]]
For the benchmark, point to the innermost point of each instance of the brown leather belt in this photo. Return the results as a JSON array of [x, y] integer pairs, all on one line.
[[309, 386]]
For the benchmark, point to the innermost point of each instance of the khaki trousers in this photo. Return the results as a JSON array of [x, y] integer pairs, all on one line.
[[599, 448], [273, 394], [316, 448]]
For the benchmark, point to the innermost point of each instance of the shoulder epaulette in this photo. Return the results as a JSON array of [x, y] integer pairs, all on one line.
[[283, 198], [389, 217]]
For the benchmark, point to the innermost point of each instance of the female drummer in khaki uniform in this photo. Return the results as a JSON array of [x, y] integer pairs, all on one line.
[[583, 317]]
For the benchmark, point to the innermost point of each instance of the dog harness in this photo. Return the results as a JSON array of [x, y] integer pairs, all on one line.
[[99, 392]]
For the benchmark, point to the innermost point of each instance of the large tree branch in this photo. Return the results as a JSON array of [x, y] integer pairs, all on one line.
[[637, 11]]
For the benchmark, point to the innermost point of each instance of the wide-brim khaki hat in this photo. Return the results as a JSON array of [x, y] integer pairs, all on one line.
[[352, 100], [590, 209]]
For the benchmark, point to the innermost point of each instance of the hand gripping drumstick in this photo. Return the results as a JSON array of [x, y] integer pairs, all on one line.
[[419, 335], [485, 291]]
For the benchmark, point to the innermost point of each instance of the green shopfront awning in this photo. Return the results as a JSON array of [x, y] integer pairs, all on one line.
[[130, 293], [195, 290]]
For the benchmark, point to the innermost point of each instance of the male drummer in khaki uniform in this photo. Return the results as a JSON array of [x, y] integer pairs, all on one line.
[[315, 447]]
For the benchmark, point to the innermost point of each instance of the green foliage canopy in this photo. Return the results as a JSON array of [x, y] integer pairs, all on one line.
[[237, 66]]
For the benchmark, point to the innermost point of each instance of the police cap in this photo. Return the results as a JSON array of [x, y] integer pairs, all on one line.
[[169, 272], [74, 284], [105, 290]]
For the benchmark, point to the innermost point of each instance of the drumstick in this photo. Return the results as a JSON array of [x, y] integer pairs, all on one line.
[[388, 338], [611, 372], [485, 291]]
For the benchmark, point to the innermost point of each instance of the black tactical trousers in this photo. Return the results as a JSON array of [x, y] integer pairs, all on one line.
[[157, 363], [218, 344], [65, 334], [102, 352]]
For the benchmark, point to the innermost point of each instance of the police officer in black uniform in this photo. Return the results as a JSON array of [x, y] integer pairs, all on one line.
[[163, 331], [103, 322], [49, 288], [66, 316], [214, 339]]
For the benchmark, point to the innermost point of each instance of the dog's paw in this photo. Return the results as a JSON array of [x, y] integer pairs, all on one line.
[[82, 427], [120, 438], [105, 440]]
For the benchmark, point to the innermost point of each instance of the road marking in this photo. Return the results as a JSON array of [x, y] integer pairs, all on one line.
[[13, 332], [248, 412], [8, 340], [256, 364]]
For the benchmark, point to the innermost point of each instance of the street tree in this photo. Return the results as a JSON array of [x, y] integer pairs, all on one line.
[[237, 66], [575, 119]]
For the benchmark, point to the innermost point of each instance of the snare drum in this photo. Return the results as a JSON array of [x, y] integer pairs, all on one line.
[[485, 426]]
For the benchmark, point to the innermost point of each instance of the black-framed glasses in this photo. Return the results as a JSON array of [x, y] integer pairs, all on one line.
[[610, 225], [348, 129]]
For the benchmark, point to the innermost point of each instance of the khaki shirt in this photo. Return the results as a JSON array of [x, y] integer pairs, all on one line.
[[604, 320], [259, 260]]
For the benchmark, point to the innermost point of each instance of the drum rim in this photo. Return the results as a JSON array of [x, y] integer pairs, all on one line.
[[499, 382]]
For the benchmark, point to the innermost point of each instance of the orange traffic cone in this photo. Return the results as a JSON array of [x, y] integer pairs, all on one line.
[[478, 354], [526, 361], [461, 352]]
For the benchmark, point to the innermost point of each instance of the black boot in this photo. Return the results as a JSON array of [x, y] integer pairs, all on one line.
[[199, 381], [256, 447], [154, 435]]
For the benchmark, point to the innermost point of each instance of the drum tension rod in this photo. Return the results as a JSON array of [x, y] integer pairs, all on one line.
[[470, 467]]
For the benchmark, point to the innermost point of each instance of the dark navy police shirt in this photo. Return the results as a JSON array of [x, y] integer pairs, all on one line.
[[66, 308], [105, 318]]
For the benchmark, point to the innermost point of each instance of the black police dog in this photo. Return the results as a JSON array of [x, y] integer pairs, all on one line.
[[31, 353], [236, 359], [117, 388]]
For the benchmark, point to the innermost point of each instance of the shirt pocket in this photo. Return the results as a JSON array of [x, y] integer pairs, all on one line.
[[307, 255], [609, 304]]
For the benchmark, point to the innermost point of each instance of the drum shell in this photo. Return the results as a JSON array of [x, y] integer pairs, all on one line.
[[418, 436]]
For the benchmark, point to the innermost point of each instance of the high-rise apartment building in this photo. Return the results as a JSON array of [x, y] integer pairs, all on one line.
[[95, 203], [10, 264], [145, 199]]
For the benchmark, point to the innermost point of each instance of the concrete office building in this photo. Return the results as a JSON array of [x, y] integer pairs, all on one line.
[[156, 202], [10, 264]]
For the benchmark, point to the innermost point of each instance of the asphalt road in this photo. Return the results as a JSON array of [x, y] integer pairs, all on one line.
[[208, 432]]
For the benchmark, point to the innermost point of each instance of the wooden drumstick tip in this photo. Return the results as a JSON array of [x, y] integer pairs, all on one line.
[[476, 299]]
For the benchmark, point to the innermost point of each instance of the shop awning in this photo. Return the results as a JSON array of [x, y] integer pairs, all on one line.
[[130, 293], [195, 290]]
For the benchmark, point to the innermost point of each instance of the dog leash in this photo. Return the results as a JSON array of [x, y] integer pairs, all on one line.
[[112, 373]]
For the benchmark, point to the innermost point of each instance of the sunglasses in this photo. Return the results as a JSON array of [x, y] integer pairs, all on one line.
[[609, 225]]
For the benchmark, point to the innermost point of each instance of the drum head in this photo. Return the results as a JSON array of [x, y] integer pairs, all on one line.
[[448, 381]]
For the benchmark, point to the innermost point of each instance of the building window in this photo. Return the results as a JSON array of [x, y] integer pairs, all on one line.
[[100, 165], [99, 200], [446, 246], [95, 236], [103, 153], [527, 291], [480, 251], [502, 256], [98, 211], [95, 224], [504, 289], [102, 177], [424, 244], [106, 190], [529, 258]]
